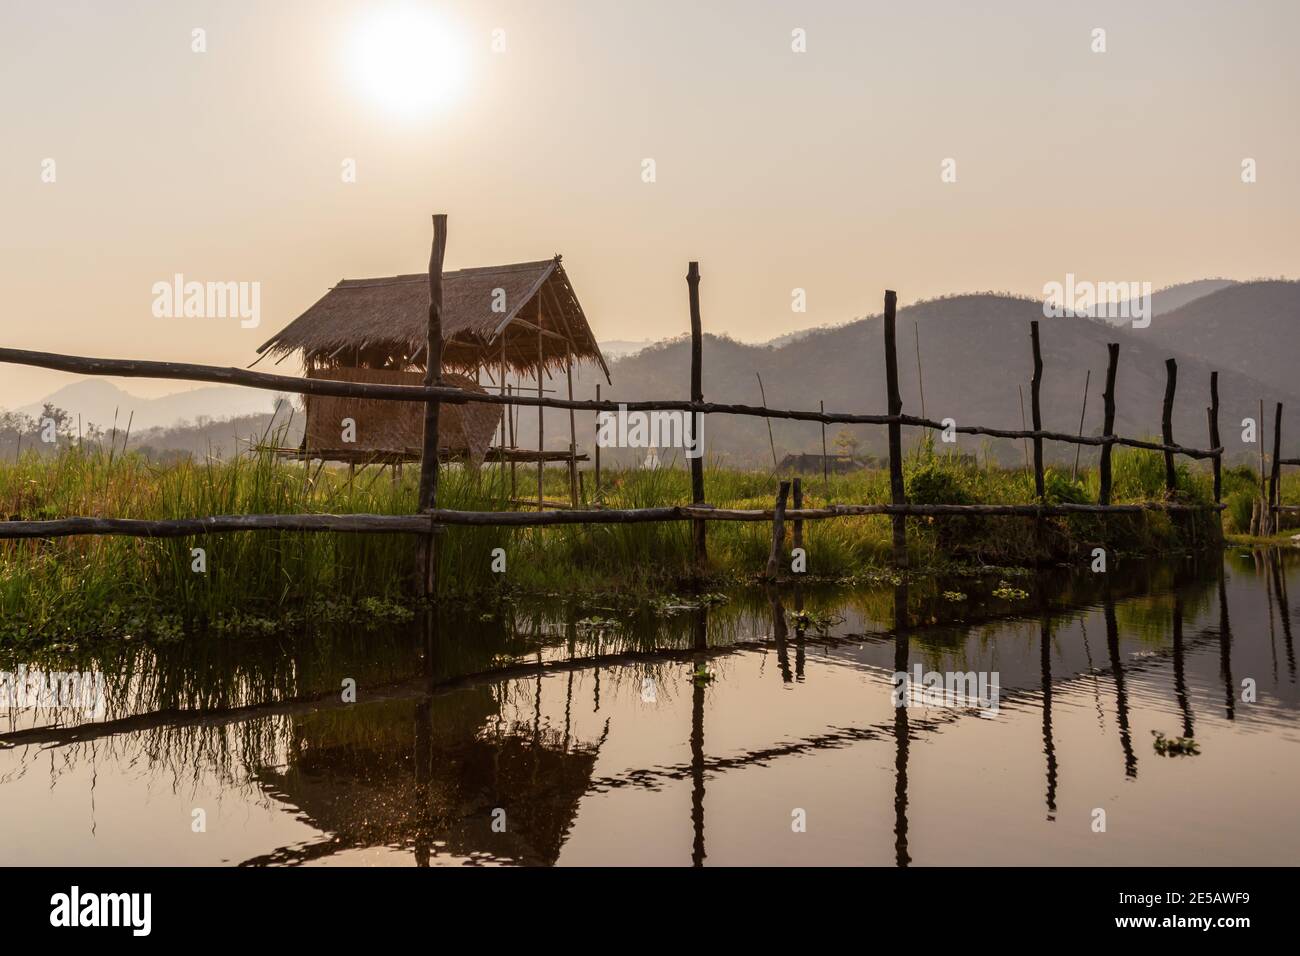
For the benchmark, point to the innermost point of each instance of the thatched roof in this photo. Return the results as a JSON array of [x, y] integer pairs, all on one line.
[[488, 312]]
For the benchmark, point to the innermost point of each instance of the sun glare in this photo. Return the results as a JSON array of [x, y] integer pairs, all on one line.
[[407, 60]]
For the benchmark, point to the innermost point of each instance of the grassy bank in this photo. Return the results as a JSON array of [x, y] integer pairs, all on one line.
[[66, 586]]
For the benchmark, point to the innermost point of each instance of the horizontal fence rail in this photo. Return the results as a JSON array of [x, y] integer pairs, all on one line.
[[432, 521]]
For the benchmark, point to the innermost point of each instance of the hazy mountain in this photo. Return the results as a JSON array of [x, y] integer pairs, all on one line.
[[1177, 296], [97, 399], [618, 348], [1252, 327]]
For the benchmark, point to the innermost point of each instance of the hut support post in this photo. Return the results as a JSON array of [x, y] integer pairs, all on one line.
[[1214, 436], [1167, 425], [697, 395], [432, 376], [1036, 410], [573, 436], [1108, 420], [897, 490], [778, 531], [596, 452]]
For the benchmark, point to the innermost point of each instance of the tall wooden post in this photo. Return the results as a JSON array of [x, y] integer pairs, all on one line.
[[897, 490], [697, 395], [1275, 474], [597, 443], [1108, 420], [1036, 410], [1214, 436], [573, 436], [541, 445], [778, 531], [432, 376], [1167, 424]]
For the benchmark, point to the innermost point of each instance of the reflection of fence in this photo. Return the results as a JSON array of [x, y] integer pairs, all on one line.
[[433, 394]]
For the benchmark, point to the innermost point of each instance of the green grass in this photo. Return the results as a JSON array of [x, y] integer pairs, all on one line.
[[73, 586]]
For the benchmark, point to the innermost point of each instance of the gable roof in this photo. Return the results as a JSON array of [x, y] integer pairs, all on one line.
[[490, 313]]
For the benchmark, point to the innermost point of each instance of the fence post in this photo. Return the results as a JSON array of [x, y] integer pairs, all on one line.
[[796, 490], [1214, 436], [1275, 473], [778, 531], [1167, 424], [698, 526], [897, 490], [432, 376], [1108, 420], [1036, 410]]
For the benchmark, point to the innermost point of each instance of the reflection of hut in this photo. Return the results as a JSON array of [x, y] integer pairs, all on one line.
[[519, 320], [428, 776]]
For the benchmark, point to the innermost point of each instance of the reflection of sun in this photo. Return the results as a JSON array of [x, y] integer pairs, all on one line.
[[407, 60]]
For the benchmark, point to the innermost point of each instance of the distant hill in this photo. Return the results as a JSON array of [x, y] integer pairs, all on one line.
[[1252, 327], [98, 399], [1177, 296]]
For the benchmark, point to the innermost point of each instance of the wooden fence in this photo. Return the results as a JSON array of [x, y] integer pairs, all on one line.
[[430, 518]]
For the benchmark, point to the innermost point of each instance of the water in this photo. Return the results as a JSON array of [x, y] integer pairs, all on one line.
[[526, 738]]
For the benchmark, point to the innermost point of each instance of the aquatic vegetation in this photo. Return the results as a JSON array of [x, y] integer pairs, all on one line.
[[1175, 746], [1007, 592]]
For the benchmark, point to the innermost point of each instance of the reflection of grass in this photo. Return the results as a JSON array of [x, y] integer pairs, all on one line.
[[78, 586], [1175, 746]]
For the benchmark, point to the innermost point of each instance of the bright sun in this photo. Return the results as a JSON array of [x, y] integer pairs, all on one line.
[[407, 60]]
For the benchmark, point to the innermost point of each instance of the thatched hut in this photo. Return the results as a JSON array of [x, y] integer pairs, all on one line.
[[522, 320]]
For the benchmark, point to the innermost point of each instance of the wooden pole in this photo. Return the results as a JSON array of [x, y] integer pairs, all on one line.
[[1083, 413], [1108, 419], [1262, 529], [920, 381], [778, 531], [826, 474], [573, 435], [697, 395], [1036, 409], [1275, 474], [797, 491], [540, 409], [597, 444], [1167, 424], [1214, 436], [1023, 424], [770, 441], [428, 496], [897, 490]]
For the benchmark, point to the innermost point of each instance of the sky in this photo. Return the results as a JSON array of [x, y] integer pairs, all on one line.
[[795, 146]]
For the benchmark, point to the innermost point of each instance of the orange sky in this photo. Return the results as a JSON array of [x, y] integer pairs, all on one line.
[[777, 170]]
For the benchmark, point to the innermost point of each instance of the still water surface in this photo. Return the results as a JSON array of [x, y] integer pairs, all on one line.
[[533, 735]]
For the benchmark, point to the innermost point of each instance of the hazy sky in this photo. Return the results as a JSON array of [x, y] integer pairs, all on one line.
[[776, 169]]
